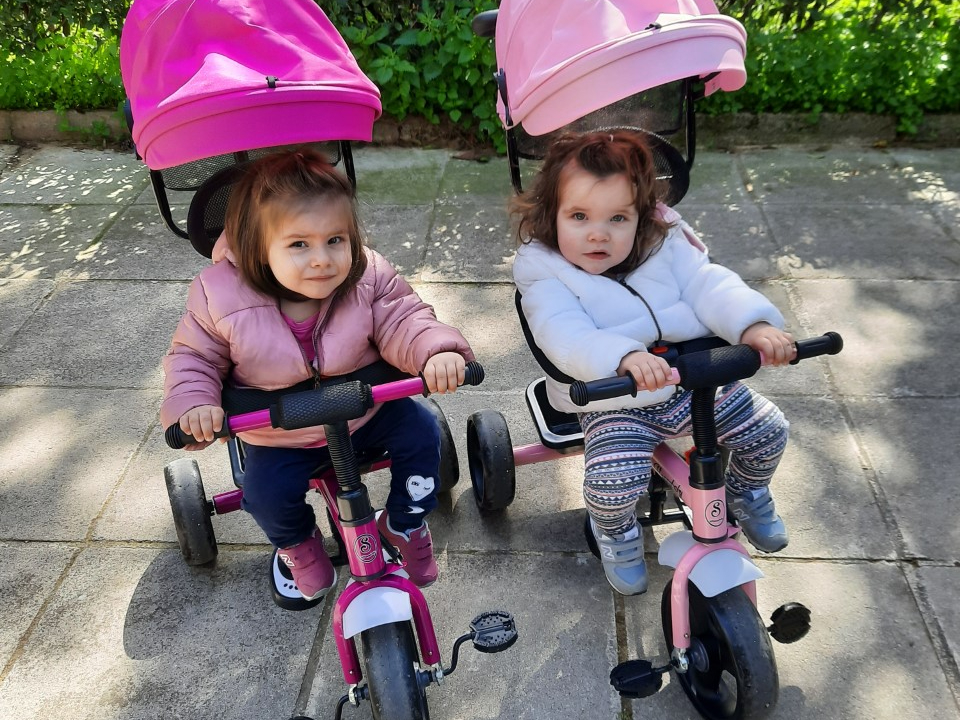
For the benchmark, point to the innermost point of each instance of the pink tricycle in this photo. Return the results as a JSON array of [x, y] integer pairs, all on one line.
[[571, 66], [379, 606]]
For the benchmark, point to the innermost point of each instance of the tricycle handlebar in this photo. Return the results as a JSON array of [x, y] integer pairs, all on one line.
[[323, 406], [715, 367]]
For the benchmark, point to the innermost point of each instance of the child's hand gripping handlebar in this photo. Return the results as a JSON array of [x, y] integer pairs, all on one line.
[[322, 406], [708, 368]]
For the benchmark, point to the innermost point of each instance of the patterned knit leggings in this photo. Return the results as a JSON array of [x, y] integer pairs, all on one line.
[[619, 445]]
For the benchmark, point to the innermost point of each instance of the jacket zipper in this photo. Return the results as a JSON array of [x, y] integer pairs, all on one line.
[[317, 331]]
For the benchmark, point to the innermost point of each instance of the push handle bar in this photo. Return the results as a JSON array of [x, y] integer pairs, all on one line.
[[322, 406], [707, 368], [485, 24]]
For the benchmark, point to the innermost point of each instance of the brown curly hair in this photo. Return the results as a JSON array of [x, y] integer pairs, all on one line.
[[603, 154]]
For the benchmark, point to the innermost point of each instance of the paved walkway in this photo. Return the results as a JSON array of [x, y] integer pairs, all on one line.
[[101, 619]]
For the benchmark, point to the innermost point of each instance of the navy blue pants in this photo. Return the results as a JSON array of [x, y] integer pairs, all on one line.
[[276, 480]]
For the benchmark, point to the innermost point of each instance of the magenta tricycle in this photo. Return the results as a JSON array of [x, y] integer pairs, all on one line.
[[379, 606]]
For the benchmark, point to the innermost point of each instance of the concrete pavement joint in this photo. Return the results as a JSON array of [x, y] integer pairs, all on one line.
[[24, 639], [313, 659], [623, 648], [935, 632]]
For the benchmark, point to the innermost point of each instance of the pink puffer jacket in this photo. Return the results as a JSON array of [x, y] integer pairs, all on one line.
[[233, 333]]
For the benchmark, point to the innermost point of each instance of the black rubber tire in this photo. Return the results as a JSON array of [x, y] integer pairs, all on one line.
[[391, 665], [740, 680], [449, 462], [490, 456], [191, 512]]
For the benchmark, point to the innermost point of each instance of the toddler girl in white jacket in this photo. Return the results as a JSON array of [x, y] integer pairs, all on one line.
[[606, 272]]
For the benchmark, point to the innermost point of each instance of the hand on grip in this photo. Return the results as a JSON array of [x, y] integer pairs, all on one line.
[[177, 439], [715, 367]]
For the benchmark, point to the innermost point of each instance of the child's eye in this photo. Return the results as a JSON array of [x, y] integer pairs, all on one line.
[[298, 244], [618, 218], [335, 240], [579, 216]]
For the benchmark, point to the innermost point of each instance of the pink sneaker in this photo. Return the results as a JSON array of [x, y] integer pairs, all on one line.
[[416, 547], [310, 566]]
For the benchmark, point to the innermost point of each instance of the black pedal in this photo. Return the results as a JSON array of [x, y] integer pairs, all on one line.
[[493, 631], [637, 678], [790, 622]]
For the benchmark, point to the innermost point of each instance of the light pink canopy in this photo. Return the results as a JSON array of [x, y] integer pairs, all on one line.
[[196, 73], [566, 58]]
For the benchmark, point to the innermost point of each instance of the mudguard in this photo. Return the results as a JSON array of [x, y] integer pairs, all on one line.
[[716, 572], [376, 606]]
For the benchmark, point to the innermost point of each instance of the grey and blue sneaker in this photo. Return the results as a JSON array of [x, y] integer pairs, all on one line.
[[757, 516], [622, 558]]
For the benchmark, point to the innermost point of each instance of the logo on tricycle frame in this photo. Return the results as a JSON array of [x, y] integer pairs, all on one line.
[[714, 513], [366, 547]]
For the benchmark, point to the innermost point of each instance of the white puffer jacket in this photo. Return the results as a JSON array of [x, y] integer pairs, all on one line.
[[585, 324]]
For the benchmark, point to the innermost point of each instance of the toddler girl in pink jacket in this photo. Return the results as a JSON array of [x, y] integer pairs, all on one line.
[[295, 295]]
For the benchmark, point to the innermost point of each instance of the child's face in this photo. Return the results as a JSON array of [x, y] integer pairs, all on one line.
[[596, 220], [308, 246]]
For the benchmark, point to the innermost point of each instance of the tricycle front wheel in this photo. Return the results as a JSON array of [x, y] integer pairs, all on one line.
[[733, 672], [391, 664]]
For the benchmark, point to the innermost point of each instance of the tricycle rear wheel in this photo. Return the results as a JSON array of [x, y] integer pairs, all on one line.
[[449, 462], [191, 512], [490, 455]]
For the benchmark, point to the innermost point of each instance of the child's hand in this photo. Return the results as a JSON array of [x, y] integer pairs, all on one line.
[[202, 422], [444, 372], [648, 371], [775, 344]]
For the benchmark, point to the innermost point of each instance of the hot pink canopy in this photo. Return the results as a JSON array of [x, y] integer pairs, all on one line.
[[208, 77], [566, 58]]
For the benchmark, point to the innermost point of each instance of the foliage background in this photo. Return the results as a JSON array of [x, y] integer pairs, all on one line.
[[899, 57]]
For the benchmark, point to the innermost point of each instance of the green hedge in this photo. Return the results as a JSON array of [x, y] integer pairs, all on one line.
[[899, 57], [854, 56]]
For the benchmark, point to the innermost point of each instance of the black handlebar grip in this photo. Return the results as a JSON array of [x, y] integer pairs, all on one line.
[[717, 367], [178, 439], [322, 406], [827, 344], [585, 392], [473, 373]]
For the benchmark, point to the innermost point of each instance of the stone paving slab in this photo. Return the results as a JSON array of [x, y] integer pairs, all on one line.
[[28, 574], [42, 241], [108, 335], [811, 247], [822, 177], [139, 248], [897, 334], [736, 235], [19, 298], [939, 587], [134, 634], [68, 448], [57, 175], [910, 447]]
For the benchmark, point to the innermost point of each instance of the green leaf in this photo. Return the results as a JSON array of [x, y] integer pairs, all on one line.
[[407, 38]]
